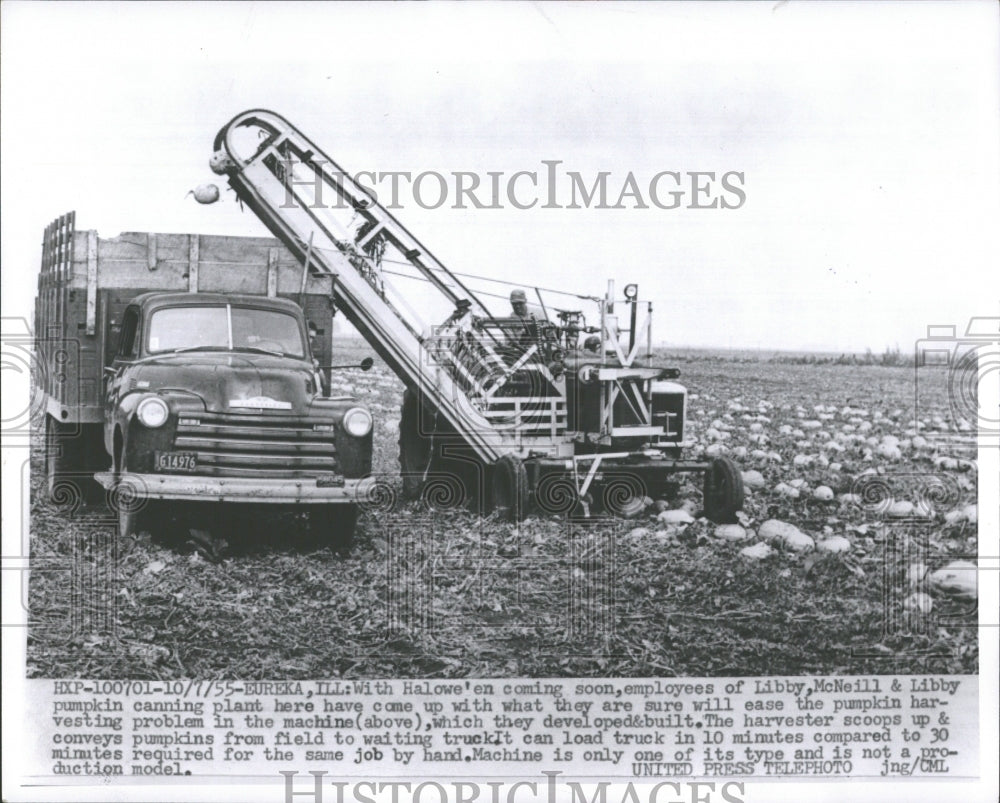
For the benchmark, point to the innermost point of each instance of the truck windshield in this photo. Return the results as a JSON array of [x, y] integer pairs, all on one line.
[[224, 327]]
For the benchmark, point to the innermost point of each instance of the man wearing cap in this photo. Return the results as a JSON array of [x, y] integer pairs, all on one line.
[[525, 334], [519, 303]]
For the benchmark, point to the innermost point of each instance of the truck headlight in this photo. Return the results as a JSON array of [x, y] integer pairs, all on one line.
[[357, 422], [153, 412]]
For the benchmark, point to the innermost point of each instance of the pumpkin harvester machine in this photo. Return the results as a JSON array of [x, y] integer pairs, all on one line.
[[569, 416]]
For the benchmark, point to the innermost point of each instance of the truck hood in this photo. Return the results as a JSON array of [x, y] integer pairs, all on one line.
[[231, 381]]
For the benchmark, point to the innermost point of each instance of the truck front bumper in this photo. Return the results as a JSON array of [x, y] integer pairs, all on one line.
[[237, 489]]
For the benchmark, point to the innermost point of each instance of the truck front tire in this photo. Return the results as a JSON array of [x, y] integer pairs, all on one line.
[[136, 512], [130, 518], [333, 525]]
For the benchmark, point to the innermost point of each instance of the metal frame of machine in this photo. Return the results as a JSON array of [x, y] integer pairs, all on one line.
[[523, 398]]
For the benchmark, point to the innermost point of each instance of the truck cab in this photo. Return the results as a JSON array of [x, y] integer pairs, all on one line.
[[216, 397]]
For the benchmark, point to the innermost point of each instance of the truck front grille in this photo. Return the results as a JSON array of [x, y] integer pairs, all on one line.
[[257, 446]]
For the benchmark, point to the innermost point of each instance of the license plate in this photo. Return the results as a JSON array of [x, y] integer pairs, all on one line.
[[176, 461]]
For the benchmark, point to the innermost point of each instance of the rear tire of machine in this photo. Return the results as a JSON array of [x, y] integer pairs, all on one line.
[[723, 491]]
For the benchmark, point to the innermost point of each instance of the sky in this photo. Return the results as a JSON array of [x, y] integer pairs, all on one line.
[[866, 136]]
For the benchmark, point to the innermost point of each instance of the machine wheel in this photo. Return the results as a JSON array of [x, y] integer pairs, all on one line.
[[73, 453], [333, 525], [415, 448], [510, 488], [723, 491]]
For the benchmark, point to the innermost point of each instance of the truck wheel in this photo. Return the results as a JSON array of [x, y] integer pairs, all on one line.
[[129, 518], [510, 488], [723, 491], [333, 525], [141, 515], [414, 447], [73, 453], [135, 512]]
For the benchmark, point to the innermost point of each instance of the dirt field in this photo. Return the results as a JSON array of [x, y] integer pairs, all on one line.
[[429, 590]]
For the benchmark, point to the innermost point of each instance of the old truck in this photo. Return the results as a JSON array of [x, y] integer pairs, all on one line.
[[183, 368]]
